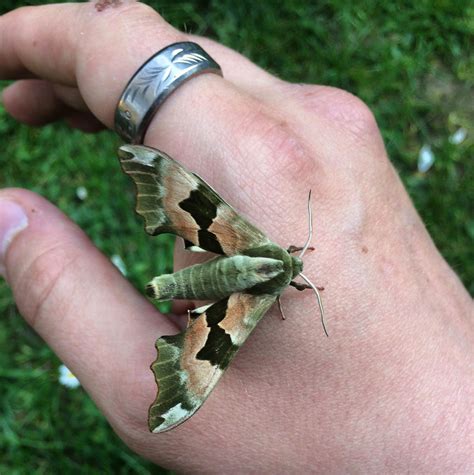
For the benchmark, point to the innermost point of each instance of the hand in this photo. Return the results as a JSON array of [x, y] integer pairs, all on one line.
[[389, 390]]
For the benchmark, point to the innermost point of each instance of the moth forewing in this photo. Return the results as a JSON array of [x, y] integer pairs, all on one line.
[[190, 364], [184, 204]]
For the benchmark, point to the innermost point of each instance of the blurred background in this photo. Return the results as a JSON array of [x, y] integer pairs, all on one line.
[[411, 62]]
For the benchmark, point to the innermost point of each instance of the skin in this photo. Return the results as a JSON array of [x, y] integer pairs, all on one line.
[[390, 390]]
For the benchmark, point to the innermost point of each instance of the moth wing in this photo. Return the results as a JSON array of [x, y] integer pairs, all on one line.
[[173, 200], [190, 364]]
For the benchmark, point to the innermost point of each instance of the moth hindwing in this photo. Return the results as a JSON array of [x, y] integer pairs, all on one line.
[[243, 280]]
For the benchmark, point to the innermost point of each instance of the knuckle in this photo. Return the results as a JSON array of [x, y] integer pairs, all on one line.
[[340, 107], [39, 283], [276, 146], [353, 114]]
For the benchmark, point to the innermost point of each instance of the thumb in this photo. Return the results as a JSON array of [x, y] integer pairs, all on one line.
[[79, 303]]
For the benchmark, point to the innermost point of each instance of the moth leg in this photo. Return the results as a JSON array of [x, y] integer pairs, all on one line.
[[281, 309], [299, 286], [292, 249]]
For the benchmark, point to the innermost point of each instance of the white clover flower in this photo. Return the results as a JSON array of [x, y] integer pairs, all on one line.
[[66, 378], [426, 159], [117, 261], [82, 193]]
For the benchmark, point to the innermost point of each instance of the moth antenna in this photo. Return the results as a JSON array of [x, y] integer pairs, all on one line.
[[281, 309], [320, 303], [310, 225]]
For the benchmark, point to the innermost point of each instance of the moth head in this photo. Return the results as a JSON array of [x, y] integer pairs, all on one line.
[[296, 266]]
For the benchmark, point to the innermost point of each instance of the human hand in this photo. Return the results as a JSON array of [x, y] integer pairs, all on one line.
[[389, 386]]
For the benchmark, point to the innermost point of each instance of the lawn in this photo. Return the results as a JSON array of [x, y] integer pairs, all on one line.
[[409, 61]]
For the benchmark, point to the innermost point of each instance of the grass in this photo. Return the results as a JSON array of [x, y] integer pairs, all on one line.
[[408, 60]]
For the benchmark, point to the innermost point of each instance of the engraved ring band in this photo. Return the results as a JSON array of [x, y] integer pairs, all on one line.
[[154, 81]]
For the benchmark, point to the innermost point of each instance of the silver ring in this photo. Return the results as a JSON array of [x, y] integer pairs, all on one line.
[[154, 81]]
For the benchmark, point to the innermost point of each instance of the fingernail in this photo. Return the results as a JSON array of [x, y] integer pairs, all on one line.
[[12, 220]]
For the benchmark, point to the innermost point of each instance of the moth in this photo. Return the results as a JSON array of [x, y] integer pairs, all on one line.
[[245, 278]]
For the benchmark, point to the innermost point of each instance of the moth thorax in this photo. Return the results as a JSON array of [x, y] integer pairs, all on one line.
[[296, 265]]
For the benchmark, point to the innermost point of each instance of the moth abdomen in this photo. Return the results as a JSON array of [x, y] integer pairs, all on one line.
[[215, 279]]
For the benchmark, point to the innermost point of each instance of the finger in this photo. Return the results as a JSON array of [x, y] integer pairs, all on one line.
[[39, 102], [34, 41], [24, 49], [28, 33], [73, 45], [77, 301], [33, 102]]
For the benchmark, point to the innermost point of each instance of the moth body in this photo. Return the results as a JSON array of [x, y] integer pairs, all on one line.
[[243, 282], [215, 279]]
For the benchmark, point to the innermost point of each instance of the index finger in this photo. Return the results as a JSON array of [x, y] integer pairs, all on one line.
[[73, 45]]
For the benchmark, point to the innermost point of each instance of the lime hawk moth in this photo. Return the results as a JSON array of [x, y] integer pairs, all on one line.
[[245, 278]]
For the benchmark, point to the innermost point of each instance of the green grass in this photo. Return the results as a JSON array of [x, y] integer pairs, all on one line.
[[408, 60]]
